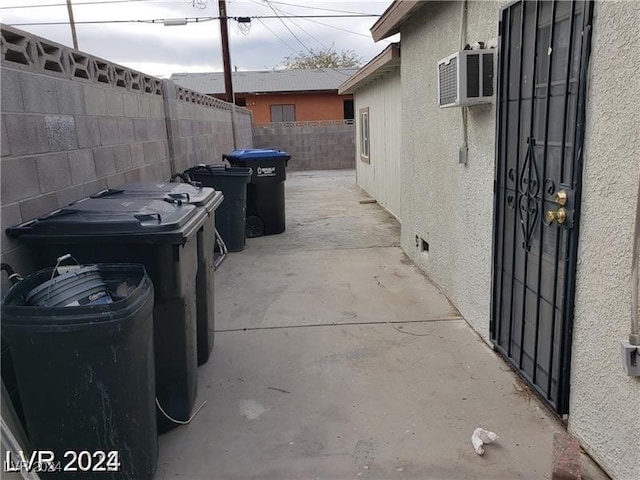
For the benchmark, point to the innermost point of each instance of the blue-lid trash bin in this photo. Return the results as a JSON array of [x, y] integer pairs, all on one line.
[[85, 372], [210, 200], [265, 192], [161, 235], [230, 216]]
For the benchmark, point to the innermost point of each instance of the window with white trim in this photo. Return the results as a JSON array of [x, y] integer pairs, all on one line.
[[283, 113], [365, 139]]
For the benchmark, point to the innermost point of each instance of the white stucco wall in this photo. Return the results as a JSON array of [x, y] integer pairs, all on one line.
[[382, 176], [605, 403], [450, 206], [447, 204]]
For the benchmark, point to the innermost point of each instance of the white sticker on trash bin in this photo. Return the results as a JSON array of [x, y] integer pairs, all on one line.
[[266, 171], [98, 298]]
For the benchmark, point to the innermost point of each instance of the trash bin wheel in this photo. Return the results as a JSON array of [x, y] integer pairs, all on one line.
[[254, 226]]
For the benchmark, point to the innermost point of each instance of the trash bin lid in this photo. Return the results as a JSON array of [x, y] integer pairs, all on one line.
[[219, 170], [106, 220], [256, 154], [172, 192]]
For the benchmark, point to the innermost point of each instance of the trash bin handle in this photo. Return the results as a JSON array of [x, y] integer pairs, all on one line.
[[13, 276], [175, 201], [63, 258], [148, 216], [204, 166], [17, 230], [183, 176], [107, 192], [178, 196]]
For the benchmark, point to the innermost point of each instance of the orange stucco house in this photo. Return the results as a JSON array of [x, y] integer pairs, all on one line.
[[280, 95]]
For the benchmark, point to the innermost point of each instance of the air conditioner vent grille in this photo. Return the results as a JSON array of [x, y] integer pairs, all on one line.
[[465, 78], [448, 81]]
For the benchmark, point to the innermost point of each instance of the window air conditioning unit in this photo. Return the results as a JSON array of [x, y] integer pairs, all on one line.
[[465, 78]]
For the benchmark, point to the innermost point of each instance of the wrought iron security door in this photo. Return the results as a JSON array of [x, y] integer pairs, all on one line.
[[544, 50]]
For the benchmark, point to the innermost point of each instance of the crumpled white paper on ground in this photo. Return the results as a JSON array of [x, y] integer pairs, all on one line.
[[482, 437]]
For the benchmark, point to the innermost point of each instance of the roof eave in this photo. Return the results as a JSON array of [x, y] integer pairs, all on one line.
[[282, 92], [389, 22], [388, 60]]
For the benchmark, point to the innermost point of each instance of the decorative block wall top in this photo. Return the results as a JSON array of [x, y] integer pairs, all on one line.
[[192, 96], [25, 51], [305, 123]]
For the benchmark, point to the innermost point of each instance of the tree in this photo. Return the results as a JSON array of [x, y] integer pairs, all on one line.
[[326, 57]]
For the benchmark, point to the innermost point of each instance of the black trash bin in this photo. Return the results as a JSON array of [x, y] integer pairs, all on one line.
[[210, 200], [9, 380], [160, 235], [86, 373], [230, 216], [265, 192]]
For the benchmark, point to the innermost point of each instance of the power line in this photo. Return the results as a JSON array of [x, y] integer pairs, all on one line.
[[277, 36], [287, 27], [75, 4], [281, 12], [274, 33], [104, 2], [323, 24], [339, 28], [187, 19], [96, 22], [301, 43], [315, 8], [320, 23]]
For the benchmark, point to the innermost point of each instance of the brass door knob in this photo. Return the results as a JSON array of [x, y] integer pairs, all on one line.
[[559, 216], [561, 197]]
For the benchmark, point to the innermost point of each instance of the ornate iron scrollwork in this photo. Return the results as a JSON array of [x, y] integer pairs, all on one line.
[[529, 195], [549, 187]]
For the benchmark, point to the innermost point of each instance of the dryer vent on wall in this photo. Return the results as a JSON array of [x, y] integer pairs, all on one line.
[[465, 78]]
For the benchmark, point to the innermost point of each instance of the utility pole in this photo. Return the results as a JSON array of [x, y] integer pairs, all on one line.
[[226, 62], [73, 25], [224, 35]]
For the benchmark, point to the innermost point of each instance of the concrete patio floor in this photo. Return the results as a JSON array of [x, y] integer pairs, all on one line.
[[336, 358]]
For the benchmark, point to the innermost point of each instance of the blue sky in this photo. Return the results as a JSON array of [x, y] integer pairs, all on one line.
[[161, 50]]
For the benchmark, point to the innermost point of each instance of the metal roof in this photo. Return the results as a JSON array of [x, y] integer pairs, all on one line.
[[269, 81]]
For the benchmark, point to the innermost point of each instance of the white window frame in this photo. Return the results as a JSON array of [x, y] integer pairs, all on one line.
[[365, 135]]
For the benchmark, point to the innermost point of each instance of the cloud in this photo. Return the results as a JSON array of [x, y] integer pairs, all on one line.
[[160, 50]]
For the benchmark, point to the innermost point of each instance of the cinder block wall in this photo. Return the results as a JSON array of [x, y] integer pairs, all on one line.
[[73, 124], [199, 127], [311, 146]]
